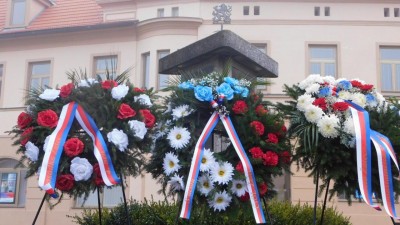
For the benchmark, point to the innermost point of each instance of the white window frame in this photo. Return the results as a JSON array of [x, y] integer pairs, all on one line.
[[20, 186], [81, 203], [175, 11], [113, 61], [159, 56], [323, 61], [146, 63], [393, 64], [12, 13], [246, 10], [160, 12], [31, 76]]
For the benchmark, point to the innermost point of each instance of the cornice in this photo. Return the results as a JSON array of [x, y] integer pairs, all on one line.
[[165, 26]]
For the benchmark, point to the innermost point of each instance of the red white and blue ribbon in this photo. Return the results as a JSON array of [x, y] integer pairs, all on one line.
[[196, 161], [54, 148], [385, 154]]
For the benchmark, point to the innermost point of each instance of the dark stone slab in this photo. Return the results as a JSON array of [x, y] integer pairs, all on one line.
[[222, 45]]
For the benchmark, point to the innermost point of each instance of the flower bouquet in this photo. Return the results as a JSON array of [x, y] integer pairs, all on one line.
[[85, 134], [323, 124], [185, 158]]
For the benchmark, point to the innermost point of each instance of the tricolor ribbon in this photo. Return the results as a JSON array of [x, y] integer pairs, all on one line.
[[54, 148], [196, 161], [385, 153]]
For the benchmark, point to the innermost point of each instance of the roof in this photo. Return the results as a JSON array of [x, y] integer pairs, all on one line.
[[63, 14]]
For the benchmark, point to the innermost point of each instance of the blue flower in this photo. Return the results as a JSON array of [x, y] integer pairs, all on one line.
[[243, 91], [370, 98], [345, 85], [226, 90], [187, 85], [232, 81], [203, 93], [325, 92]]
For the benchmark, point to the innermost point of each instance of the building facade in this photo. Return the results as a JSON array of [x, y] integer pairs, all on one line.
[[40, 40]]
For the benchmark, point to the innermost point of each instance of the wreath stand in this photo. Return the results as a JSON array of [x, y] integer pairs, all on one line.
[[316, 198], [128, 218]]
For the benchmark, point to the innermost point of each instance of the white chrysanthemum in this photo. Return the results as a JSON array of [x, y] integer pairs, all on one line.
[[176, 183], [348, 126], [221, 173], [143, 99], [178, 137], [313, 88], [329, 126], [181, 111], [205, 185], [50, 94], [32, 151], [171, 163], [380, 99], [119, 91], [239, 187], [345, 95], [87, 82], [207, 161], [138, 128], [359, 99], [303, 101], [220, 201], [329, 79], [313, 113], [313, 78]]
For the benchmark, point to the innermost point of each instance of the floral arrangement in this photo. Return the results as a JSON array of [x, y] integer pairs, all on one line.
[[124, 115], [321, 121], [221, 184]]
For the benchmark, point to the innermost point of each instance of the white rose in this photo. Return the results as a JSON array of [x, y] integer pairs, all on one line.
[[119, 91], [118, 138], [50, 94], [32, 151], [143, 99], [87, 82], [138, 127], [81, 169]]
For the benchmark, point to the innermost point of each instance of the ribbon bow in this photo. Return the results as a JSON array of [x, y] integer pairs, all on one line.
[[54, 148], [198, 155]]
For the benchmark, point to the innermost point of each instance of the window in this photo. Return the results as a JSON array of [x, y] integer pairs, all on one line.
[[246, 10], [262, 47], [12, 183], [103, 65], [146, 69], [316, 11], [390, 68], [1, 77], [162, 78], [39, 73], [109, 198], [175, 11], [327, 11], [18, 8], [256, 10], [322, 60], [160, 12], [396, 12], [386, 12]]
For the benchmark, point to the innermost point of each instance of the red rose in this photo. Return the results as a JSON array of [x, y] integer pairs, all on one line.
[[256, 152], [125, 111], [98, 179], [272, 138], [73, 147], [65, 182], [108, 84], [245, 197], [47, 118], [260, 110], [26, 135], [255, 96], [356, 83], [149, 119], [96, 170], [285, 156], [258, 127], [240, 107], [262, 188], [270, 158], [66, 90], [282, 132], [320, 102], [366, 87], [139, 90], [24, 119], [340, 106], [239, 167]]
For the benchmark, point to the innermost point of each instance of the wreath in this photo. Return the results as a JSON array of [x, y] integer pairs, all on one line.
[[221, 183], [322, 123], [115, 126]]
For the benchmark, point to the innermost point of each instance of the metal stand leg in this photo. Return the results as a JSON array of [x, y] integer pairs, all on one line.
[[40, 208], [266, 210], [99, 204], [324, 205], [179, 209], [125, 204], [315, 198]]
